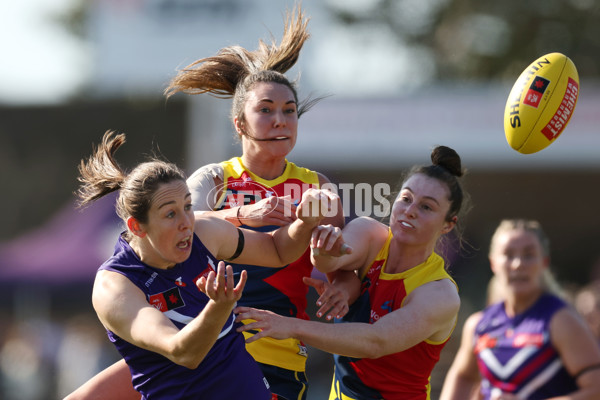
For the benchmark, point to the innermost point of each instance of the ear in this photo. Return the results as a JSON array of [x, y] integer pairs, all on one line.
[[492, 265], [135, 227], [546, 262], [239, 126], [449, 225]]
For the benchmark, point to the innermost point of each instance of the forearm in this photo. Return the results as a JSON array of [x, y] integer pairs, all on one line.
[[348, 339], [191, 344], [291, 241], [230, 215], [326, 264]]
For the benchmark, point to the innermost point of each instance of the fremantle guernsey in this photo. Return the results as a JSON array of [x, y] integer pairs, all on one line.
[[227, 371], [515, 355], [399, 376], [276, 289]]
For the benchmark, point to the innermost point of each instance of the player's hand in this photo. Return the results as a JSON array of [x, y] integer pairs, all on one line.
[[272, 210], [267, 323], [317, 204], [332, 301], [327, 240], [219, 286]]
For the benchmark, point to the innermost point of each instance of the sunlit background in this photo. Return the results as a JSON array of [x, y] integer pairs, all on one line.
[[399, 76]]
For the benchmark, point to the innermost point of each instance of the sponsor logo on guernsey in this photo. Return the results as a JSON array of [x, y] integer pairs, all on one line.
[[485, 342], [151, 279], [210, 267], [179, 282], [167, 300], [528, 339]]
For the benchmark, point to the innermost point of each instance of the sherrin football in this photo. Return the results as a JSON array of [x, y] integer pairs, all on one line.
[[541, 103]]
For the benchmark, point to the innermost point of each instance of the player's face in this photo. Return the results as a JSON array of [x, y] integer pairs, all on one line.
[[170, 227], [419, 212], [518, 261], [270, 116]]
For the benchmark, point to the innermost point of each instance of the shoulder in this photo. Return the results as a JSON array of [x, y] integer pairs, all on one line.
[[109, 286], [441, 292], [369, 224], [366, 230], [322, 178], [472, 321], [212, 172], [566, 322]]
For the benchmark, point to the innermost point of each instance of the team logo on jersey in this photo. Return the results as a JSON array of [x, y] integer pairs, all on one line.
[[179, 282], [386, 306], [167, 300], [302, 351]]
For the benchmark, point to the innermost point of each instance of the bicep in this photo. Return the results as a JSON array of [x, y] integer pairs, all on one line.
[[578, 354], [465, 362], [429, 311], [122, 307], [222, 239], [463, 377]]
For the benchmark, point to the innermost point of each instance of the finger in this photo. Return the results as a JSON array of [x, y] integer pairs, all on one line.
[[330, 240], [220, 282], [209, 284], [239, 288], [337, 311], [345, 249], [316, 235], [201, 284], [229, 285], [240, 309], [318, 284]]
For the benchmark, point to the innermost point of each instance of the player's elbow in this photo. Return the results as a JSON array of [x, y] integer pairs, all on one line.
[[184, 357]]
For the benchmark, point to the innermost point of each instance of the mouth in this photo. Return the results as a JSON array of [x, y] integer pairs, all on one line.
[[406, 224], [517, 279], [185, 243]]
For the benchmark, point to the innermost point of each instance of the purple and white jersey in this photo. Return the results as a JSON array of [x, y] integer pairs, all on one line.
[[515, 355], [227, 371]]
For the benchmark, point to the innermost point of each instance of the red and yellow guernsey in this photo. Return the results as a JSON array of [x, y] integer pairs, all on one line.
[[400, 376], [276, 289]]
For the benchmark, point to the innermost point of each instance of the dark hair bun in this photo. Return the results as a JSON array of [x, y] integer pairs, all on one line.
[[447, 158]]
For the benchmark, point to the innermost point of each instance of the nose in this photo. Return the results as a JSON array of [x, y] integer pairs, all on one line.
[[278, 119], [187, 222], [516, 262], [411, 210]]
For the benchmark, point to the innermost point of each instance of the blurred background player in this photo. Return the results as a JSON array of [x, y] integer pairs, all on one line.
[[530, 344]]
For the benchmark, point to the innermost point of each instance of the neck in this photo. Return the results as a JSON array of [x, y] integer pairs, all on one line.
[[402, 257], [266, 168], [515, 304], [138, 245]]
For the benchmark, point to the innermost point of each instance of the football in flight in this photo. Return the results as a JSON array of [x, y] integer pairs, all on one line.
[[541, 103]]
